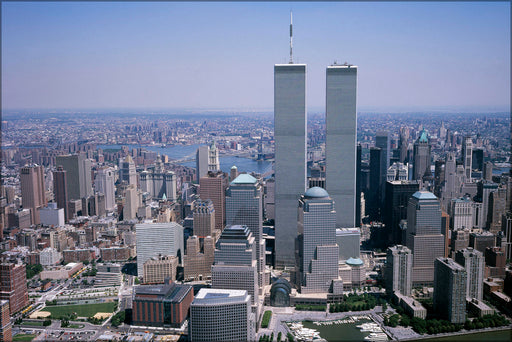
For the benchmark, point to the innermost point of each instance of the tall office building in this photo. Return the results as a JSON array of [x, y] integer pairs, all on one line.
[[450, 290], [79, 181], [154, 239], [424, 235], [204, 218], [158, 182], [32, 190], [213, 158], [374, 198], [221, 315], [290, 154], [467, 156], [212, 187], [383, 141], [127, 171], [244, 206], [404, 135], [158, 269], [473, 261], [131, 203], [235, 266], [197, 265], [395, 207], [13, 286], [60, 190], [399, 270], [201, 162], [104, 183], [318, 252], [341, 139], [421, 166]]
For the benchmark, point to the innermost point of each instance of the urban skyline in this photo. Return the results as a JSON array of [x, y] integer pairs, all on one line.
[[162, 55]]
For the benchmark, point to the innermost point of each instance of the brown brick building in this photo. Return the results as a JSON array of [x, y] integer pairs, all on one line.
[[13, 286]]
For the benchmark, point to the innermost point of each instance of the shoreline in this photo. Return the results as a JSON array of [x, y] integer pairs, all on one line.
[[460, 333]]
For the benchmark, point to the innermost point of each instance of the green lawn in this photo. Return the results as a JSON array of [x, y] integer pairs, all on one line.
[[76, 326], [23, 337], [84, 310]]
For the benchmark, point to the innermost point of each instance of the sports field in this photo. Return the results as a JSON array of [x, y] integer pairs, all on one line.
[[84, 310]]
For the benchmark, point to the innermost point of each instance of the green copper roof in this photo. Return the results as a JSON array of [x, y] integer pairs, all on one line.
[[423, 137], [421, 195], [244, 178], [354, 261]]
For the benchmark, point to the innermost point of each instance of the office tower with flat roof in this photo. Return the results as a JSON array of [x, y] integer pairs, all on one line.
[[467, 157], [424, 235], [318, 253], [244, 206], [155, 239], [221, 315], [213, 158], [158, 269], [201, 162], [60, 190], [79, 182], [127, 171], [421, 165], [290, 154], [450, 290], [348, 241], [13, 286], [235, 266], [487, 172], [203, 218], [213, 187], [395, 207], [374, 200], [399, 270], [104, 183], [383, 141], [32, 190], [473, 261], [341, 139], [131, 203]]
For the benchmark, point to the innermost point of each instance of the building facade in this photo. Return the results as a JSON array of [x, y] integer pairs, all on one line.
[[450, 290], [399, 270]]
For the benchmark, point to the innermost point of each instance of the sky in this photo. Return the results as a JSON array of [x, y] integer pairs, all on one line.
[[410, 55]]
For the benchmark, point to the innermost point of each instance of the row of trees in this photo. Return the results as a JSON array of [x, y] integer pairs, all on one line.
[[32, 270], [354, 302], [306, 307], [118, 318], [266, 319]]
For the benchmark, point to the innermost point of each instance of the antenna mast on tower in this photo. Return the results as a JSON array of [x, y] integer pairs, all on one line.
[[291, 39]]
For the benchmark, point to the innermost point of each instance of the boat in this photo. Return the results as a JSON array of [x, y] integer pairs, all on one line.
[[377, 337]]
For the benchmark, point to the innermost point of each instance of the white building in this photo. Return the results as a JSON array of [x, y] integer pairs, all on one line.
[[104, 183], [51, 216], [49, 257], [155, 239], [221, 315], [399, 270]]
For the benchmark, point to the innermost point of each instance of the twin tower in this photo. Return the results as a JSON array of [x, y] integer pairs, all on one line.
[[290, 134]]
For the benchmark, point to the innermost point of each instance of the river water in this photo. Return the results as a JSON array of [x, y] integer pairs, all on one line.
[[182, 151]]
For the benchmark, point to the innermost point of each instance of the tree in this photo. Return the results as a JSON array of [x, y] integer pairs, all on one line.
[[279, 334], [47, 322]]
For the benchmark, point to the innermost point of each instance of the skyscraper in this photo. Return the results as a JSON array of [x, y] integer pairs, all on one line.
[[201, 162], [155, 239], [473, 261], [32, 190], [399, 270], [467, 156], [316, 241], [424, 235], [159, 182], [204, 218], [13, 286], [450, 290], [212, 187], [127, 171], [213, 158], [197, 265], [290, 154], [104, 183], [60, 190], [383, 141], [341, 139], [79, 181], [421, 164], [395, 207], [244, 206]]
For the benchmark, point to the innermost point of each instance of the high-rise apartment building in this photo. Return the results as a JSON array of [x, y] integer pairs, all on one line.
[[5, 322], [79, 178], [204, 218], [13, 286], [244, 206], [104, 183], [399, 270], [341, 139], [318, 252], [213, 187], [290, 154], [473, 261], [32, 190], [424, 235], [450, 290], [235, 265], [201, 162], [221, 315], [155, 239], [421, 164], [60, 190]]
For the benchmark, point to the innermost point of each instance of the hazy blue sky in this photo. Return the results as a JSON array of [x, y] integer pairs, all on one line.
[[221, 55]]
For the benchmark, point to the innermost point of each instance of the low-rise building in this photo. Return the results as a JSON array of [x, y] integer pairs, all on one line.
[[63, 272]]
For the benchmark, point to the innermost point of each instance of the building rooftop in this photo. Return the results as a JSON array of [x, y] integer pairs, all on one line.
[[244, 178], [423, 137], [207, 296], [354, 261], [424, 195], [171, 292], [316, 192]]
